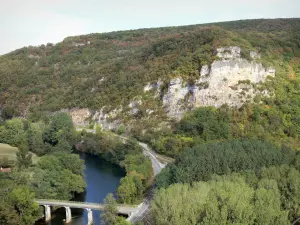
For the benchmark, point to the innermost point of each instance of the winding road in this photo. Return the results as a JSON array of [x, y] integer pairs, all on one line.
[[157, 166]]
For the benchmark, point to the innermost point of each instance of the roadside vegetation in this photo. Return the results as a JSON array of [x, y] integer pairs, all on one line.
[[129, 156]]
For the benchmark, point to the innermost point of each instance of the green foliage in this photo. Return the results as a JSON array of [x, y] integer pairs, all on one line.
[[58, 176], [12, 132], [221, 201], [127, 190], [8, 213], [202, 161], [35, 138], [110, 213], [121, 129], [24, 158], [60, 128], [23, 200], [138, 163]]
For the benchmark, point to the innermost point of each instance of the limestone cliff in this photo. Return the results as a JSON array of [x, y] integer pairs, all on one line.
[[229, 80]]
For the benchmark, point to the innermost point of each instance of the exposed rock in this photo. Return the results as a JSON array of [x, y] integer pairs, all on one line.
[[228, 81], [204, 70], [101, 80], [254, 55], [108, 121], [148, 87], [77, 44], [33, 56], [80, 116], [149, 111], [155, 85], [229, 53], [176, 93], [134, 105]]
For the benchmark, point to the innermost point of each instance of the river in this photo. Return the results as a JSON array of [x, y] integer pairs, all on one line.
[[101, 178]]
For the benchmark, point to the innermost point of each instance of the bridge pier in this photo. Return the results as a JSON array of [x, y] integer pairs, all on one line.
[[90, 216], [47, 213], [68, 214]]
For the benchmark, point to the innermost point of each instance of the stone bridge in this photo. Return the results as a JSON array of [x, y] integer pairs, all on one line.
[[122, 209]]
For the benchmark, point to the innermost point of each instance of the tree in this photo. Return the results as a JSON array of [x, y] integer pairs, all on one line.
[[58, 176], [61, 127], [22, 199], [12, 132], [222, 200], [35, 138], [8, 215], [98, 129], [24, 157], [237, 155], [127, 191], [110, 213]]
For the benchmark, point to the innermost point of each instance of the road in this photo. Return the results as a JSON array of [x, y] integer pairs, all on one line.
[[157, 166]]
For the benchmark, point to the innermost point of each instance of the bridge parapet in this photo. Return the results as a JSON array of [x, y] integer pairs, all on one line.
[[122, 208]]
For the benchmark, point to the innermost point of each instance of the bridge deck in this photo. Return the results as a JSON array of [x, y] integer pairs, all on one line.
[[122, 209]]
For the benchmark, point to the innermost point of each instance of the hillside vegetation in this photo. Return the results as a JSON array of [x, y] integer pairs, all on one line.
[[110, 69]]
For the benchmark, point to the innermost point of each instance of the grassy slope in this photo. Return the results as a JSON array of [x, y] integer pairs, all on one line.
[[10, 152]]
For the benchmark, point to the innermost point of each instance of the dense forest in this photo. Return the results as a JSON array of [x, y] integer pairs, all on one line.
[[234, 181]]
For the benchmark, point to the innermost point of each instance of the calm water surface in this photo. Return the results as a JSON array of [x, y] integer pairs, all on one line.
[[101, 178]]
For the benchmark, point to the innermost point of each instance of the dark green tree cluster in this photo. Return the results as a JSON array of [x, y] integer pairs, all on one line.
[[58, 176], [247, 181], [55, 134], [202, 161]]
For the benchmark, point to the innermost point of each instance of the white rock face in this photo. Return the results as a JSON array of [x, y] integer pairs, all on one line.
[[172, 99], [134, 105], [156, 86], [108, 121], [80, 116], [204, 70], [227, 81], [229, 53], [254, 55]]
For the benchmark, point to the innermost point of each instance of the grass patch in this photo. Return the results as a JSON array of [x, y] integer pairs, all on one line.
[[10, 152]]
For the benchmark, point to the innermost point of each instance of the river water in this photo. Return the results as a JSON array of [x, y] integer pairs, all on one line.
[[101, 178]]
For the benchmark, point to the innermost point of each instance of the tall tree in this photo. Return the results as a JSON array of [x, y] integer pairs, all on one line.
[[110, 213], [24, 157]]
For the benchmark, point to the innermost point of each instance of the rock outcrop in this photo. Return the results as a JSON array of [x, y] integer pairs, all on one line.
[[226, 81], [108, 121], [229, 80]]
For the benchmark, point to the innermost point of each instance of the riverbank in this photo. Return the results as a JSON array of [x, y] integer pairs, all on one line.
[[101, 178]]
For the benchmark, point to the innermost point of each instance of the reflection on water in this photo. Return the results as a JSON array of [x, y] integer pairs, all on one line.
[[101, 178]]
